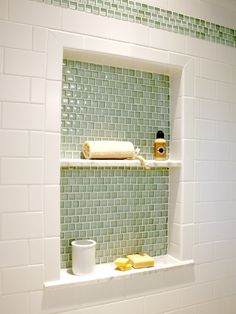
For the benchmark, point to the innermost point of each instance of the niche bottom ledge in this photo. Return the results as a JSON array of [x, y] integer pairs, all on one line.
[[107, 272]]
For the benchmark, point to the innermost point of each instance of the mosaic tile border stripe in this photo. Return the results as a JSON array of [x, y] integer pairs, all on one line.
[[140, 13]]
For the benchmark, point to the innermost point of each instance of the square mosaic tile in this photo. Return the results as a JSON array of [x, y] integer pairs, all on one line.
[[125, 210], [109, 103]]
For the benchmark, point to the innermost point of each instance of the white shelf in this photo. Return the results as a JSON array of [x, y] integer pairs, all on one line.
[[107, 272], [83, 163]]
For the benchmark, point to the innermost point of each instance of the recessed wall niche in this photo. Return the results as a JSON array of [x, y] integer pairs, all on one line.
[[125, 210]]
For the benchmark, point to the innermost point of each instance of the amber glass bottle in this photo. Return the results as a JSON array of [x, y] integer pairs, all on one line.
[[160, 146]]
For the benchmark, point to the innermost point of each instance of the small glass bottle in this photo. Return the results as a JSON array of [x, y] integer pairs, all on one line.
[[160, 146]]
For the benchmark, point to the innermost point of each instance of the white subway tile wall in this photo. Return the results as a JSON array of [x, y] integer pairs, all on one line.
[[19, 203], [36, 247], [40, 36], [21, 226], [36, 197], [24, 62], [22, 171], [16, 303], [38, 90], [15, 35], [209, 286], [21, 88], [16, 253], [36, 144], [14, 143], [23, 116]]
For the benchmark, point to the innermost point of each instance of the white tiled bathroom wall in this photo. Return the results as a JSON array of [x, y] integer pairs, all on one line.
[[29, 163]]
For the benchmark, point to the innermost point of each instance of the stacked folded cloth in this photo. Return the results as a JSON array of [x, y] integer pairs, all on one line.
[[122, 264], [134, 261]]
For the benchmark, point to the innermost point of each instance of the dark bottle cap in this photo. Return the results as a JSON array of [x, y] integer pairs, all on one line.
[[160, 134]]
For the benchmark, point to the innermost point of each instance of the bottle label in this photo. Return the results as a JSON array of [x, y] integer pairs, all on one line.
[[161, 150]]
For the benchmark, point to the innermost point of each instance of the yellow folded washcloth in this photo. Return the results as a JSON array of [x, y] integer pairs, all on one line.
[[122, 264], [141, 260], [124, 268]]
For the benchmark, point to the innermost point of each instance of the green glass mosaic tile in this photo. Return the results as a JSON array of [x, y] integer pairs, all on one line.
[[154, 17], [102, 102], [124, 210]]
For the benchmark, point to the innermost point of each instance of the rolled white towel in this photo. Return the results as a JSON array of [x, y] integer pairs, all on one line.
[[108, 150], [111, 150]]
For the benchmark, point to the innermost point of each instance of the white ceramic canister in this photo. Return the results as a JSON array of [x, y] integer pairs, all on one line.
[[83, 256]]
